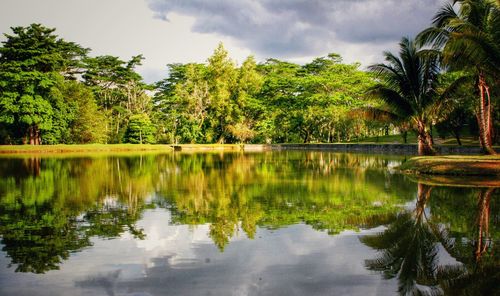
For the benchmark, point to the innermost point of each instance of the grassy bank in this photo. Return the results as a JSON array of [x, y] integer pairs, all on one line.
[[14, 149], [460, 165], [207, 147], [457, 181], [412, 139]]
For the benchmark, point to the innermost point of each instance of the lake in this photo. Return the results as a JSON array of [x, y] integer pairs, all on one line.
[[271, 223]]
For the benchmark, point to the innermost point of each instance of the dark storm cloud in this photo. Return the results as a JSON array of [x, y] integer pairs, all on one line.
[[294, 28]]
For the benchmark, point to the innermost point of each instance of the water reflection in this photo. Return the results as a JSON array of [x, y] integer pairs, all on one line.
[[226, 223], [444, 245], [51, 207]]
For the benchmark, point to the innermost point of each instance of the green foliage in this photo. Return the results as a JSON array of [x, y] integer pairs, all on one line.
[[88, 124], [408, 91], [52, 92], [119, 90], [467, 39], [43, 101], [32, 62], [272, 102], [140, 130]]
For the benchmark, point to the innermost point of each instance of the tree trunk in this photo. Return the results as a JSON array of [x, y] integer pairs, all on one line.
[[483, 221], [457, 137], [483, 115], [34, 135], [306, 137], [30, 135], [423, 195], [424, 140], [431, 135]]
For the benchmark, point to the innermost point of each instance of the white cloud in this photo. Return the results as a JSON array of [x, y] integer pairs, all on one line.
[[170, 31], [122, 28]]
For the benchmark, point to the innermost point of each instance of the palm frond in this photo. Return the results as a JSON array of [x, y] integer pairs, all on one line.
[[436, 37], [396, 103], [372, 113], [444, 15], [451, 89], [472, 48]]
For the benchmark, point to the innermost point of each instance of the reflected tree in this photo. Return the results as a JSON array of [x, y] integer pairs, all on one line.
[[411, 248], [479, 270], [50, 208], [234, 192], [408, 249]]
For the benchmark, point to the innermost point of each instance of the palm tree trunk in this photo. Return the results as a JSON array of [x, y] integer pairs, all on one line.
[[483, 221], [424, 140], [483, 115], [423, 195]]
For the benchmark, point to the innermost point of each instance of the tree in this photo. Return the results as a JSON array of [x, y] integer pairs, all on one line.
[[470, 41], [181, 103], [89, 123], [140, 130], [330, 91], [119, 90], [32, 61], [277, 98], [249, 84], [221, 77], [409, 91]]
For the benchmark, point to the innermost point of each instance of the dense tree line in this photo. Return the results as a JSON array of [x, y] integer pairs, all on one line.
[[275, 101], [52, 91]]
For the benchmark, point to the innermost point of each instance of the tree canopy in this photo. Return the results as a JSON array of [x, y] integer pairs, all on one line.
[[54, 91]]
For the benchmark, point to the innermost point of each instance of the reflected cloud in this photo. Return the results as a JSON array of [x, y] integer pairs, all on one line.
[[275, 264], [105, 281]]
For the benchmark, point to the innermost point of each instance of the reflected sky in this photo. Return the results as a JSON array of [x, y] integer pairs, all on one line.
[[182, 260]]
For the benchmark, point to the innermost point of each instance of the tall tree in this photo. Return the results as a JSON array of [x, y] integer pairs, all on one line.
[[181, 103], [221, 76], [278, 96], [469, 40], [32, 60], [249, 84], [119, 90], [89, 122], [409, 91]]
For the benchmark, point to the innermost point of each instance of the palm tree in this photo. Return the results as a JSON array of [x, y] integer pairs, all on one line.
[[478, 272], [408, 249], [409, 90], [469, 40]]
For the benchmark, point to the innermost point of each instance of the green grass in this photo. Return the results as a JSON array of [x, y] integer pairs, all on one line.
[[459, 165], [412, 139], [208, 146], [392, 139], [11, 149]]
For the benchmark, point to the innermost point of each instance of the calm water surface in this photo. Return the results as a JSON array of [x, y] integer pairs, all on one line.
[[277, 223]]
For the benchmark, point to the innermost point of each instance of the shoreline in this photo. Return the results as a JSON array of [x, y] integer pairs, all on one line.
[[408, 149], [453, 165], [465, 160], [80, 148]]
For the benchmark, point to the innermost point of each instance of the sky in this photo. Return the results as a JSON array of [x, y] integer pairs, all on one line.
[[181, 31]]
